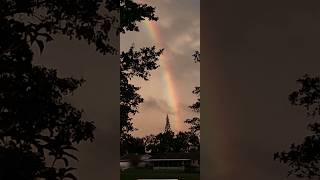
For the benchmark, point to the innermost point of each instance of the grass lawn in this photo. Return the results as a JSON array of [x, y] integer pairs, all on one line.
[[133, 174]]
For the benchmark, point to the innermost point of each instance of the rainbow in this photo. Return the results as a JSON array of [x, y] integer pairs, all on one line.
[[168, 81]]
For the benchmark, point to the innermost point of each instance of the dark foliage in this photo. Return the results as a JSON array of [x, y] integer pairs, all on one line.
[[308, 95], [38, 129], [134, 64], [195, 121], [303, 159], [132, 12], [186, 142], [196, 56], [170, 142], [90, 20], [36, 124], [132, 145], [162, 143]]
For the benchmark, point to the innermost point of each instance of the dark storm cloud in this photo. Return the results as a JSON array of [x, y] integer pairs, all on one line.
[[252, 55]]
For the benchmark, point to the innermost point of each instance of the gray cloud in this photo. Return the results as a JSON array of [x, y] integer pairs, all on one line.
[[157, 104]]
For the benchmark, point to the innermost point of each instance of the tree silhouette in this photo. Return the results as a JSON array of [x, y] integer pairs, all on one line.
[[186, 142], [171, 142], [37, 125], [133, 64], [90, 20], [38, 129], [303, 159], [160, 143], [132, 145], [151, 143], [195, 122], [168, 141]]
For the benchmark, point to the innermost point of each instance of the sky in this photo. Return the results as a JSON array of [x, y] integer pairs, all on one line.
[[251, 54], [169, 90], [99, 96]]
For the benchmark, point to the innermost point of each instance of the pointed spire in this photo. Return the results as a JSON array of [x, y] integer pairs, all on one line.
[[167, 127]]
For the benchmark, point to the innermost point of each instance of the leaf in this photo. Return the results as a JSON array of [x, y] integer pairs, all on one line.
[[70, 176], [70, 155], [70, 148], [48, 37], [65, 160], [40, 45]]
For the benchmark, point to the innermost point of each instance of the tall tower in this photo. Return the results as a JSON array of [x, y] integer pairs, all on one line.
[[167, 127]]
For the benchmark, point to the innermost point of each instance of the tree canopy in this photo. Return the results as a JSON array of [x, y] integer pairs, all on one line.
[[170, 142], [90, 20], [37, 124], [134, 64], [39, 129], [303, 159], [195, 121]]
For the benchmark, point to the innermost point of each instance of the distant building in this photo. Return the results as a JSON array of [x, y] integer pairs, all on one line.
[[174, 161], [165, 161]]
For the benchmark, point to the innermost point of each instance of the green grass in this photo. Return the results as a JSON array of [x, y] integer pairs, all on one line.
[[134, 174]]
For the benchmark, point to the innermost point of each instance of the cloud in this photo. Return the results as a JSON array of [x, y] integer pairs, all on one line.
[[157, 104], [183, 41], [178, 44], [184, 38], [167, 1], [166, 22]]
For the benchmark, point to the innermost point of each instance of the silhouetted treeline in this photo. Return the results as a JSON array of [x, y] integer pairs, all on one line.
[[38, 128], [303, 159], [162, 143], [138, 64], [195, 121]]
